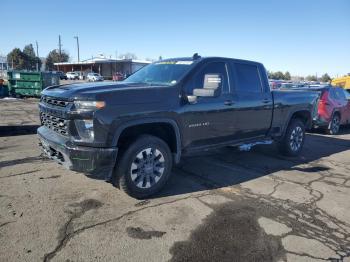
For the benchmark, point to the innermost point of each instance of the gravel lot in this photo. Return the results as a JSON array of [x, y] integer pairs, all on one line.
[[224, 205]]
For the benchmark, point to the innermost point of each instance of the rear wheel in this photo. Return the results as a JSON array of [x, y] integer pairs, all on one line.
[[293, 140], [144, 168], [334, 125]]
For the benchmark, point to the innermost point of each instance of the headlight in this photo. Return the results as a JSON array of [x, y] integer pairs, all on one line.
[[89, 105], [85, 128]]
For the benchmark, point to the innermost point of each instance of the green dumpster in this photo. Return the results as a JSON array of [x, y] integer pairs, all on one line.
[[22, 83]]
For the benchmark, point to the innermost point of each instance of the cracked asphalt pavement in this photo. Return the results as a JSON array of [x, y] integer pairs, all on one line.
[[222, 205]]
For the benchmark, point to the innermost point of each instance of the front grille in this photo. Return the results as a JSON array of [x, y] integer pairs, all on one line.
[[55, 123], [54, 101]]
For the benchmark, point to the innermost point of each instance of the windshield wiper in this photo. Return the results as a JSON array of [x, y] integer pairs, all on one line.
[[149, 83]]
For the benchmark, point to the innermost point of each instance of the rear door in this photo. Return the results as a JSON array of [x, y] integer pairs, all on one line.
[[252, 100], [337, 101], [342, 102]]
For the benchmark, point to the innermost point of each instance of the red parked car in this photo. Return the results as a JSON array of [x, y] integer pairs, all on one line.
[[333, 109]]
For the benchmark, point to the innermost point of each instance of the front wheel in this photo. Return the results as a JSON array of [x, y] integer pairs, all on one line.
[[144, 168], [293, 141]]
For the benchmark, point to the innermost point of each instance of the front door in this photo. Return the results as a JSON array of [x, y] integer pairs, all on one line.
[[210, 119]]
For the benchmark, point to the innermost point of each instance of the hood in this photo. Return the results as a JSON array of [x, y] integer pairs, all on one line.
[[114, 93]]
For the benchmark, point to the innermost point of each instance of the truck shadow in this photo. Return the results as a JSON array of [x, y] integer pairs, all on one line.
[[18, 130], [229, 166]]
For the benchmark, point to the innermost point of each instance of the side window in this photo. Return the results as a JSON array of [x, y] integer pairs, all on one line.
[[200, 79], [248, 78]]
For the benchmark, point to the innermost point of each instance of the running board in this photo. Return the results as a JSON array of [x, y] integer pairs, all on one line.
[[247, 147]]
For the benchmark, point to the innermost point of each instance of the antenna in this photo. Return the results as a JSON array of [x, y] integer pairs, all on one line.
[[196, 56]]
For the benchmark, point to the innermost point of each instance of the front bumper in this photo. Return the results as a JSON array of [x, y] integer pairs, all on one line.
[[96, 162]]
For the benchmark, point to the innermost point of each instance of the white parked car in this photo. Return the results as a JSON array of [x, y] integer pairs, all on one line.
[[72, 75], [80, 75], [94, 77]]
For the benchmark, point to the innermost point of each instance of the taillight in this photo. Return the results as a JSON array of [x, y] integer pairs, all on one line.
[[324, 97]]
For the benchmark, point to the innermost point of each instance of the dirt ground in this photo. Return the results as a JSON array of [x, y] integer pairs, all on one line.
[[223, 205]]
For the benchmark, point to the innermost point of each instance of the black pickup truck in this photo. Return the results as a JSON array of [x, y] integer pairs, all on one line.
[[132, 132]]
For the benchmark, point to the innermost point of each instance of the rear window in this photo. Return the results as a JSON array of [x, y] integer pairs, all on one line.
[[248, 78], [338, 94], [347, 93]]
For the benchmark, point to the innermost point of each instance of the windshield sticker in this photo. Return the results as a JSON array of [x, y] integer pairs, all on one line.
[[184, 62], [174, 63], [166, 63]]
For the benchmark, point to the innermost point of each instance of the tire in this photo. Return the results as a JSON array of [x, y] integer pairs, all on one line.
[[293, 140], [155, 159], [334, 125]]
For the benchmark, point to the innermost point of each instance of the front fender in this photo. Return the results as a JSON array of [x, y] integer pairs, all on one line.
[[136, 122]]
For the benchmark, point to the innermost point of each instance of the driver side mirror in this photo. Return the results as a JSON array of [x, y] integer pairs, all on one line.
[[201, 92], [211, 88]]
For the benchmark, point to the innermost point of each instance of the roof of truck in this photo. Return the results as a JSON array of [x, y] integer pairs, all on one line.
[[199, 58]]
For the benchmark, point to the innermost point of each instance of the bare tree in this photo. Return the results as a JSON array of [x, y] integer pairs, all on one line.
[[128, 55]]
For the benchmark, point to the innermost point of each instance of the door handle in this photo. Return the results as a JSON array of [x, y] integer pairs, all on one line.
[[265, 101], [228, 103]]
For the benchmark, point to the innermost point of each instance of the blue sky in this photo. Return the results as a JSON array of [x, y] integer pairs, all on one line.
[[303, 37]]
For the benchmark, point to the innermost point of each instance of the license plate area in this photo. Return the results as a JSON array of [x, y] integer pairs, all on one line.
[[51, 152]]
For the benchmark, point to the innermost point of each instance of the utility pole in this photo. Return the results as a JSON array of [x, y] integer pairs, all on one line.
[[76, 37], [116, 62], [59, 46], [37, 54]]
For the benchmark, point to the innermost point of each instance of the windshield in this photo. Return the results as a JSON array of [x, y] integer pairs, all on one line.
[[161, 73]]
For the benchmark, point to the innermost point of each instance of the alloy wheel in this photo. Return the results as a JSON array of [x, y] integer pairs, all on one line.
[[147, 168], [296, 138], [335, 124]]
